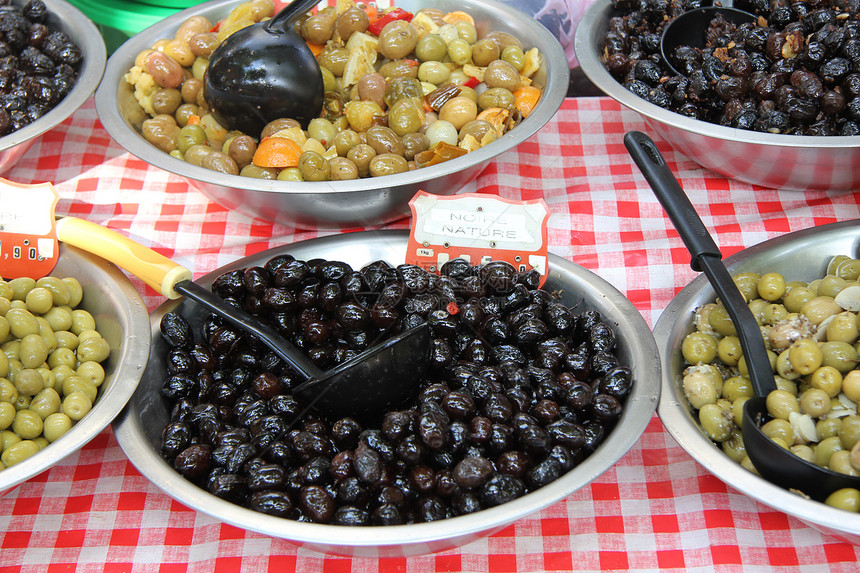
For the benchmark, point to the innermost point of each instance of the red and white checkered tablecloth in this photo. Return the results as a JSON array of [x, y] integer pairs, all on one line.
[[656, 510]]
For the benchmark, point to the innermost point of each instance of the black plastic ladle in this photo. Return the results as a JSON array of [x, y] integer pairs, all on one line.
[[376, 380], [690, 28], [774, 463], [264, 72]]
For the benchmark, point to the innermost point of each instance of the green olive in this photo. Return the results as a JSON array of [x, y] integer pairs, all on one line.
[[55, 425], [46, 402], [514, 55], [39, 300], [844, 327], [805, 356], [62, 356], [778, 429], [95, 349], [736, 387], [82, 320], [699, 347], [846, 498], [78, 384], [431, 47], [314, 167], [699, 389], [92, 371], [290, 174], [33, 351], [8, 392], [460, 52], [826, 448], [839, 355], [814, 402], [747, 283], [796, 297], [7, 414], [59, 317], [22, 322], [849, 432], [771, 286], [828, 379], [734, 446], [28, 382], [20, 287], [720, 321], [781, 403], [716, 422], [828, 428], [76, 405], [18, 452], [27, 424], [66, 339]]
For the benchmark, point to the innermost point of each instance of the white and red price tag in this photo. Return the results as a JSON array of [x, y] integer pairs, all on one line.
[[478, 228]]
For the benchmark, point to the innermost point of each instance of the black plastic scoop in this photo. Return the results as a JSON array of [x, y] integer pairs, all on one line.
[[773, 462], [264, 72], [690, 28], [373, 382]]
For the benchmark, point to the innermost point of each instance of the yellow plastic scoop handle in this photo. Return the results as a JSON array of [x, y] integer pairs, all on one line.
[[154, 269]]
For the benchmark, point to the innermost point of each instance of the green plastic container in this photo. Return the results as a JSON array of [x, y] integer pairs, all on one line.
[[119, 20]]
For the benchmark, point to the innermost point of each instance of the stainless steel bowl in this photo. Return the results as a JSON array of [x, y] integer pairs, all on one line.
[[802, 255], [138, 429], [771, 160], [334, 204], [86, 36], [122, 319]]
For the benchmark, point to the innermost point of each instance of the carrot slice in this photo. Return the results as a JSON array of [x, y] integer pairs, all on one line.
[[458, 16], [277, 152], [316, 49], [526, 98]]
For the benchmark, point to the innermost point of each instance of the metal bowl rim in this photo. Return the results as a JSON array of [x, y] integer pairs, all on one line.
[[689, 436], [596, 15], [117, 65], [641, 405]]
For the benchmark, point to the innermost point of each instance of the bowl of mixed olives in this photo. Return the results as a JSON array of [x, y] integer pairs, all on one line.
[[53, 60], [803, 289], [530, 394], [74, 347], [773, 102], [420, 96]]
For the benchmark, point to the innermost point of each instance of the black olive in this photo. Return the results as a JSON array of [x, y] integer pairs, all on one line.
[[501, 488], [276, 503]]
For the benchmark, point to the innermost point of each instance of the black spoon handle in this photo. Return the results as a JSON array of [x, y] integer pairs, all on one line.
[[290, 14], [248, 323], [705, 255]]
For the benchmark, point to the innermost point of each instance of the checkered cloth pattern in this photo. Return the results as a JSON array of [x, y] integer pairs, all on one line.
[[656, 510]]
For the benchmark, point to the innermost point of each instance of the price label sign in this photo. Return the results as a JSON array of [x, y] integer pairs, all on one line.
[[28, 238], [478, 228]]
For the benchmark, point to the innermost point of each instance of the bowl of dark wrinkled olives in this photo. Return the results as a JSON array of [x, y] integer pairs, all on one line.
[[53, 59], [531, 394], [805, 264], [424, 108], [75, 343], [772, 103]]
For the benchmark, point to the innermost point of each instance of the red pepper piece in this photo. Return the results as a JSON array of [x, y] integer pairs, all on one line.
[[396, 14], [471, 82]]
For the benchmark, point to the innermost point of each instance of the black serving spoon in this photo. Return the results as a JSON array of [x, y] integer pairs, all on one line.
[[774, 463], [264, 72], [375, 381], [690, 28]]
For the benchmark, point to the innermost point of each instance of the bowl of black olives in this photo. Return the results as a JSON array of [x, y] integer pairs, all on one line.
[[531, 393], [773, 102], [53, 60], [75, 344], [426, 109], [798, 286]]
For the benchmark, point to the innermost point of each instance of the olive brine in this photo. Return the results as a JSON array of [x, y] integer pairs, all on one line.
[[521, 388]]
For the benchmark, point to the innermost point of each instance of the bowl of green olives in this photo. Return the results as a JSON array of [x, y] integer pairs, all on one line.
[[779, 119], [75, 345], [424, 103], [70, 66], [798, 291]]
